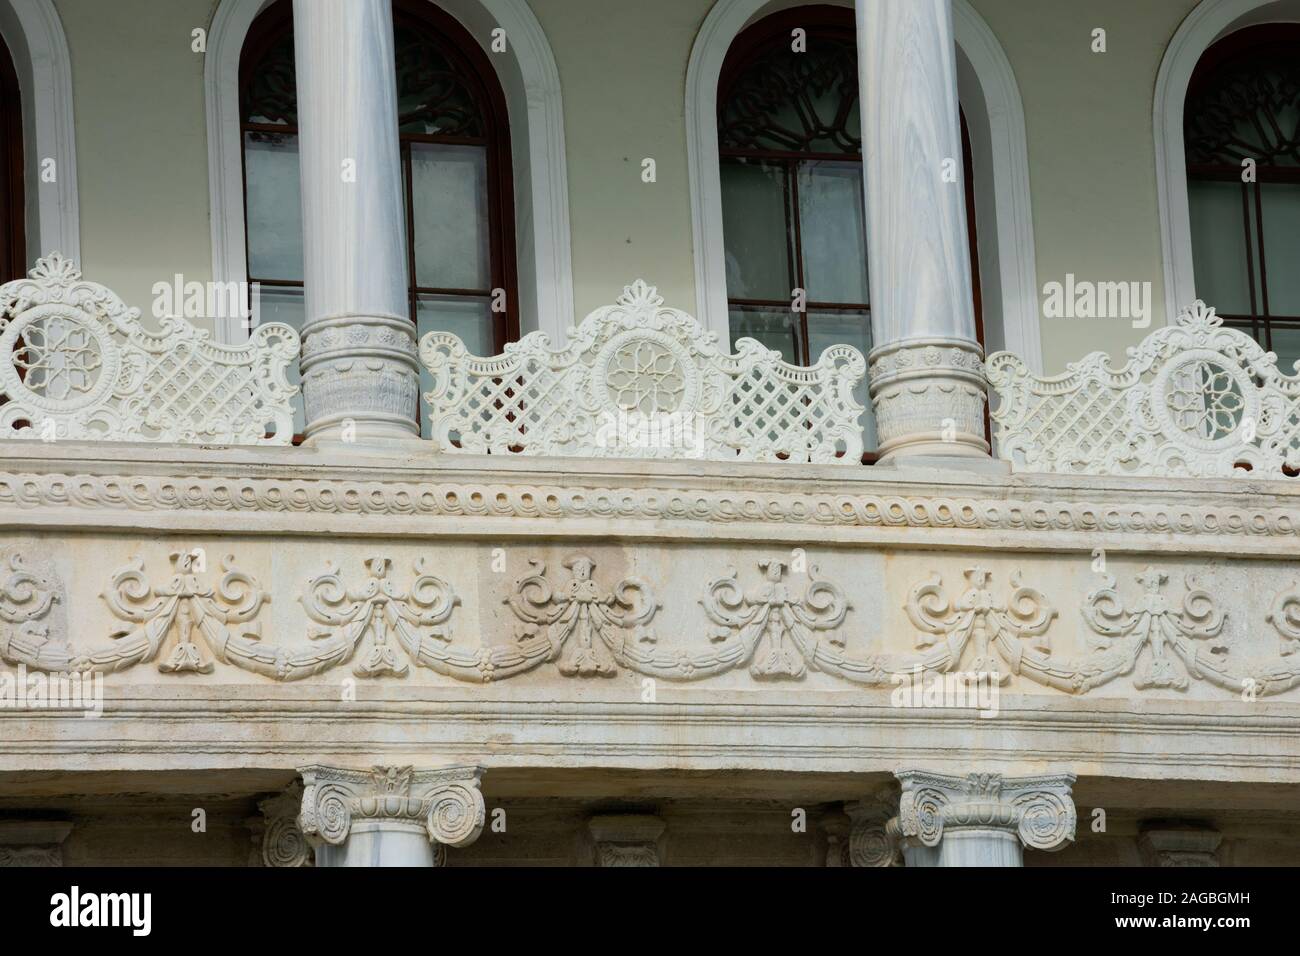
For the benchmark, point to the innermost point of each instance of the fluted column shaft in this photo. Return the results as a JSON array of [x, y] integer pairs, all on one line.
[[925, 367], [358, 358], [389, 816]]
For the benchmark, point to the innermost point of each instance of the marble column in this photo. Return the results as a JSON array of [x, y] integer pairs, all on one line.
[[982, 819], [390, 816], [359, 368], [926, 366], [626, 839]]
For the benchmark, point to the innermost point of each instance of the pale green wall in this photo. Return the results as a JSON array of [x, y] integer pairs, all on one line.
[[623, 75], [144, 188], [142, 167], [1091, 148]]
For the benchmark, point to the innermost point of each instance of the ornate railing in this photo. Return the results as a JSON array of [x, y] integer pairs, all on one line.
[[1195, 399], [76, 363], [638, 380]]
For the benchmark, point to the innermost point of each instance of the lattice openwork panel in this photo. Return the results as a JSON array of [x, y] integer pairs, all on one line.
[[1195, 399], [638, 380], [76, 363]]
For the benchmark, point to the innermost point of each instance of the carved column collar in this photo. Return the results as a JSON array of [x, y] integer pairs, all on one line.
[[1040, 810], [447, 801]]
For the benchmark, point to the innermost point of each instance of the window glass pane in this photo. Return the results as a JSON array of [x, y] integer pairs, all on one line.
[[283, 305], [832, 228], [1281, 205], [1219, 245], [274, 206], [845, 328], [449, 184], [755, 231], [777, 329], [469, 317]]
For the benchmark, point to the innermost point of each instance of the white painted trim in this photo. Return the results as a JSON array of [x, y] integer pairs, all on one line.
[[1208, 21], [1010, 159], [531, 82], [34, 34]]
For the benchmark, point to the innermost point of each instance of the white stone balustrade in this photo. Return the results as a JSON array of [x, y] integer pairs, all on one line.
[[638, 380], [1195, 399], [79, 365]]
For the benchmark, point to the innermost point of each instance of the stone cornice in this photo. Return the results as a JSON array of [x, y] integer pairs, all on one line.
[[198, 727], [305, 491]]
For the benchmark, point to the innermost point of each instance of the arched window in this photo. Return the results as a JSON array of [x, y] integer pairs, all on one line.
[[1241, 135], [456, 177], [790, 146], [13, 198]]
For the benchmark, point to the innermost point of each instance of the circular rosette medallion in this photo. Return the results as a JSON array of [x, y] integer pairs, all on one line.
[[648, 387], [647, 373], [1203, 399], [57, 359]]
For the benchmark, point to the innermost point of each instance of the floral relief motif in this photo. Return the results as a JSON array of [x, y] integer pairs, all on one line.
[[1285, 617], [179, 614], [33, 614], [978, 617], [585, 624], [777, 628], [413, 618], [1152, 622], [776, 625]]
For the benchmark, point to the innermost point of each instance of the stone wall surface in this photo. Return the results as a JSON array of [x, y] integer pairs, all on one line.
[[271, 608]]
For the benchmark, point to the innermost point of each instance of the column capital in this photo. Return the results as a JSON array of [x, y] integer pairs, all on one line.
[[33, 842], [871, 840], [1180, 846], [626, 839], [278, 841], [447, 802], [1039, 810]]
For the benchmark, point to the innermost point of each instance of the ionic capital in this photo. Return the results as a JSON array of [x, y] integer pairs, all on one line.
[[447, 802], [1039, 810]]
